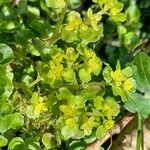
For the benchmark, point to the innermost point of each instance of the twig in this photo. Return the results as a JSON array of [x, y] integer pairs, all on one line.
[[118, 128]]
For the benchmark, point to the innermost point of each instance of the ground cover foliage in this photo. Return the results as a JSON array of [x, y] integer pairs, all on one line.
[[70, 70]]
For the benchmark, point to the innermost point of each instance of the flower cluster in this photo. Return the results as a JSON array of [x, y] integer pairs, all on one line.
[[75, 121], [113, 8], [87, 29], [64, 66], [121, 80], [37, 106]]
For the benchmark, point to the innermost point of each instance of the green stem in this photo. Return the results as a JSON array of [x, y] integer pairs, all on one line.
[[56, 34], [35, 82], [142, 135], [139, 133]]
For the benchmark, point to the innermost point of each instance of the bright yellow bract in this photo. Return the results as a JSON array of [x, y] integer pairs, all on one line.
[[39, 108], [128, 85], [117, 76]]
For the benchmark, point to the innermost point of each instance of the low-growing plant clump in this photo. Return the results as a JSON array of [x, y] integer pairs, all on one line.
[[70, 70]]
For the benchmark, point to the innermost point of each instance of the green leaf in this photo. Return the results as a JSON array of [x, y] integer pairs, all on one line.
[[32, 144], [101, 132], [90, 35], [84, 75], [69, 36], [79, 101], [98, 102], [133, 13], [3, 141], [91, 138], [77, 145], [127, 72], [17, 120], [5, 108], [6, 53], [68, 132], [64, 93], [140, 102], [13, 121], [55, 4], [16, 143], [48, 141], [106, 74], [33, 11], [119, 91], [4, 124], [131, 40], [142, 73], [88, 94], [69, 75]]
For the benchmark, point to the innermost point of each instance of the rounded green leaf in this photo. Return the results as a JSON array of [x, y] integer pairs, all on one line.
[[106, 74], [17, 120], [16, 143], [127, 72], [69, 75], [79, 101], [5, 108], [3, 141], [32, 144], [48, 141], [69, 36], [98, 102], [133, 13], [64, 93], [6, 53], [4, 124], [84, 75], [90, 35], [101, 132], [131, 40], [59, 4]]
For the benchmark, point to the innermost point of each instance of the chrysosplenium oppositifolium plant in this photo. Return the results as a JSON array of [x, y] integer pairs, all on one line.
[[65, 72]]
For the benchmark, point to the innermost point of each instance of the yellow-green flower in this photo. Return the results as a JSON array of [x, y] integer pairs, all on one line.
[[94, 18], [88, 53], [74, 21], [109, 124], [55, 70], [88, 126], [39, 108], [94, 65], [68, 110], [110, 108], [117, 75], [58, 58], [83, 27], [71, 122], [129, 85]]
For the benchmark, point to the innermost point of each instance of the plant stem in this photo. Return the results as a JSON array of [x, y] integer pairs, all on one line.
[[56, 34], [35, 82], [139, 133]]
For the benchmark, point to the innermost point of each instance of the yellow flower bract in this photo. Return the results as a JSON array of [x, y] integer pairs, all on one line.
[[117, 76], [68, 110], [128, 85], [71, 122], [74, 21], [109, 124], [39, 108]]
